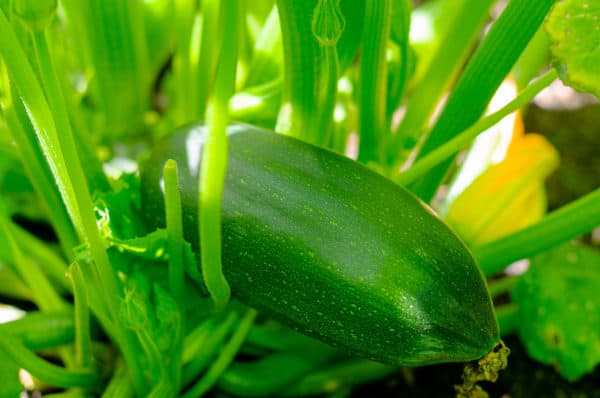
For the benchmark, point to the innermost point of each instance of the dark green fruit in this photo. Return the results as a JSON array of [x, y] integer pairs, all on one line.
[[328, 247]]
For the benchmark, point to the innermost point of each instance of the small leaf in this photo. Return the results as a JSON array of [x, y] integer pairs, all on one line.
[[574, 28], [560, 309]]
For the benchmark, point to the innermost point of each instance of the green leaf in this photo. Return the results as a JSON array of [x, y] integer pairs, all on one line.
[[560, 309], [574, 28], [117, 211]]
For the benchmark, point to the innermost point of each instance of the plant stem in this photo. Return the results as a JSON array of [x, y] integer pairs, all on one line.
[[568, 222], [45, 371], [372, 82], [225, 358], [83, 339], [451, 147], [183, 62], [46, 297], [175, 247], [37, 167], [400, 32], [488, 67], [466, 19], [214, 157], [327, 96], [83, 208], [174, 230], [508, 318], [341, 375], [52, 264], [297, 117], [198, 356], [42, 330], [503, 285], [120, 384], [211, 45], [59, 153]]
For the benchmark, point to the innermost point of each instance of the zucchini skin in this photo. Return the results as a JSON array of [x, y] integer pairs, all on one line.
[[334, 250]]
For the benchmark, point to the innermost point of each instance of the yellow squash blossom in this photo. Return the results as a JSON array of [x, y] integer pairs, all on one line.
[[508, 194]]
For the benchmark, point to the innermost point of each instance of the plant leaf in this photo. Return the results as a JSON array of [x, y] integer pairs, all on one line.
[[574, 28], [560, 309]]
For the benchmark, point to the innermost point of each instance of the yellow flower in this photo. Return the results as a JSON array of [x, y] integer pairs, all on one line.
[[507, 195]]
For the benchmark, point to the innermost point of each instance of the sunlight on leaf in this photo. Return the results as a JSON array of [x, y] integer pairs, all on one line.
[[574, 28]]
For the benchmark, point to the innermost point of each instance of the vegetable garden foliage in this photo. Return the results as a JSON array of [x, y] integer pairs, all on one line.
[[109, 305]]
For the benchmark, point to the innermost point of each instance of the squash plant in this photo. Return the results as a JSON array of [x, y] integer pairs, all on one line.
[[281, 242]]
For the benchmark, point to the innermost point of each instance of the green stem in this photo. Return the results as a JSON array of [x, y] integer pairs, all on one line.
[[264, 377], [198, 352], [210, 44], [372, 82], [120, 384], [328, 24], [281, 338], [164, 389], [34, 101], [298, 115], [225, 358], [183, 62], [488, 67], [174, 230], [456, 144], [214, 157], [327, 97], [53, 265], [59, 153], [175, 247], [115, 42], [46, 372], [83, 206], [37, 167], [508, 318], [568, 222], [341, 375], [400, 32], [466, 19], [46, 297], [534, 58], [502, 285], [42, 330], [83, 339], [156, 368], [267, 60], [73, 393]]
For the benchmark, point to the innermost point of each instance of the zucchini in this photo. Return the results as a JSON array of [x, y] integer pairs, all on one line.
[[334, 250]]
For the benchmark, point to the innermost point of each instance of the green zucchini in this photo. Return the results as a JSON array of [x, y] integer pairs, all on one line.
[[334, 250]]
